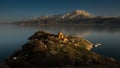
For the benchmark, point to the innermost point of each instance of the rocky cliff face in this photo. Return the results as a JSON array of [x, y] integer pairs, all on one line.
[[56, 50]]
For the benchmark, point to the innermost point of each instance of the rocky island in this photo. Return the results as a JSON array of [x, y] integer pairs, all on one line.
[[45, 50]]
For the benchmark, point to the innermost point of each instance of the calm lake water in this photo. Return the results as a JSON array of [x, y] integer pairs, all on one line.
[[12, 37]]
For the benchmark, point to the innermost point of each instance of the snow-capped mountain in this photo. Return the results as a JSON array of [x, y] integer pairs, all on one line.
[[76, 13], [69, 15], [73, 17]]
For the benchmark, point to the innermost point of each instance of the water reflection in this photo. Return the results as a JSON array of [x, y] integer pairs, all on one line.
[[81, 30], [108, 36], [12, 36]]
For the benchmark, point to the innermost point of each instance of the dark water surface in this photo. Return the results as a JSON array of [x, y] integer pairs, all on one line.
[[12, 37]]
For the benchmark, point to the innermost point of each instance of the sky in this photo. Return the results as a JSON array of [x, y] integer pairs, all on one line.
[[15, 10]]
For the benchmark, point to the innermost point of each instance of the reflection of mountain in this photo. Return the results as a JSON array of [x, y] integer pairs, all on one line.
[[78, 30], [82, 34], [75, 17]]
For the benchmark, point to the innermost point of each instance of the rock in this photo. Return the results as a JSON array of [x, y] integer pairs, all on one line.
[[50, 50], [89, 47], [65, 40], [97, 45], [60, 35], [53, 52], [14, 58]]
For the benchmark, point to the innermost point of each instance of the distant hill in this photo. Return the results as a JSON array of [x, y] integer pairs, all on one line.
[[80, 17]]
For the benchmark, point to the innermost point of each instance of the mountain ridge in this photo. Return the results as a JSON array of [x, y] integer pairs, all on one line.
[[70, 15], [73, 17]]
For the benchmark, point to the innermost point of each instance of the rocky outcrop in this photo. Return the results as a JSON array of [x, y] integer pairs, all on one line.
[[56, 50]]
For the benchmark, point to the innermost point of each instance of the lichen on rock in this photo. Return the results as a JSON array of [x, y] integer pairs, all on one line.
[[45, 49]]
